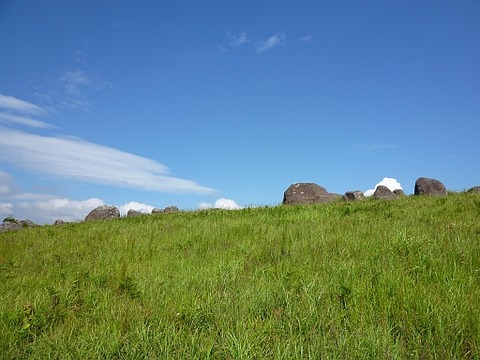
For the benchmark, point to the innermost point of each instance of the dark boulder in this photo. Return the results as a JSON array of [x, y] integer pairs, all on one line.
[[475, 189], [384, 193], [307, 193], [399, 192], [103, 212], [427, 186], [353, 195], [59, 222], [156, 211]]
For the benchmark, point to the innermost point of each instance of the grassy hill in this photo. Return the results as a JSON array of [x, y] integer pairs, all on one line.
[[371, 279]]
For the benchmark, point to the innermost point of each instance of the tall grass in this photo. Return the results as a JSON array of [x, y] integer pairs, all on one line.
[[372, 279]]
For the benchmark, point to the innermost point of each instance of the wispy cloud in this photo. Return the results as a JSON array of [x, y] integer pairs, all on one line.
[[374, 147], [239, 40], [77, 84], [305, 39], [74, 81], [22, 120], [273, 41], [17, 105], [72, 89], [16, 111], [76, 159]]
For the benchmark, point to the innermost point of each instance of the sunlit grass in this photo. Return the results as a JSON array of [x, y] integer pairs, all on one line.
[[373, 279]]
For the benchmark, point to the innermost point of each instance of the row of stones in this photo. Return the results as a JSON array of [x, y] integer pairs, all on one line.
[[309, 193]]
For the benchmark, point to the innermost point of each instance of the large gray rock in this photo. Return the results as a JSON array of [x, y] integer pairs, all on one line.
[[475, 189], [307, 193], [353, 195], [103, 212], [384, 193], [427, 186]]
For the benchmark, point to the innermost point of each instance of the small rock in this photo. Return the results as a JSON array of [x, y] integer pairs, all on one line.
[[168, 209], [133, 213], [353, 195]]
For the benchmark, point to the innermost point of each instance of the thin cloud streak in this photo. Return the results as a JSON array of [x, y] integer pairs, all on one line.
[[22, 120], [273, 41], [305, 39], [17, 105], [375, 147], [76, 159]]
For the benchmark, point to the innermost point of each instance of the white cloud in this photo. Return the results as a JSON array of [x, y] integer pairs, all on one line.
[[41, 208], [222, 203], [390, 183], [48, 211], [133, 205], [76, 159], [205, 205], [226, 204], [13, 104], [273, 41]]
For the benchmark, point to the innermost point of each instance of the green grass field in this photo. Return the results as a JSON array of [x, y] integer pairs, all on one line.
[[365, 280]]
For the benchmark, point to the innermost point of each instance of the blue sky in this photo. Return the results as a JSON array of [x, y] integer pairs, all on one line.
[[203, 103]]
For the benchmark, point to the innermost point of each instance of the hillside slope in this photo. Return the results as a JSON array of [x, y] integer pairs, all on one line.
[[370, 279]]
